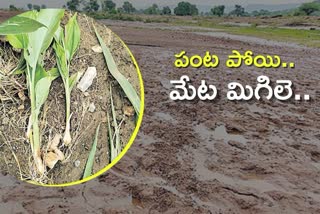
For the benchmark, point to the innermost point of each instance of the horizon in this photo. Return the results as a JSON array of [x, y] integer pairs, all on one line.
[[141, 4]]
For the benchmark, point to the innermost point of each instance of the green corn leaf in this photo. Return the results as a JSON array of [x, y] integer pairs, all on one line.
[[19, 25], [40, 40], [20, 67], [74, 78], [43, 84], [42, 92], [58, 35], [18, 71], [90, 161], [72, 39], [124, 83], [117, 147], [41, 73], [61, 60], [53, 73], [112, 150], [50, 18], [38, 80], [32, 14], [19, 41]]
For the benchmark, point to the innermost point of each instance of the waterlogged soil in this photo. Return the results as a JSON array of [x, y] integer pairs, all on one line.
[[203, 157], [15, 149]]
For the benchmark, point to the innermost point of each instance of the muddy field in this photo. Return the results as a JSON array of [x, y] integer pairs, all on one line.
[[202, 157]]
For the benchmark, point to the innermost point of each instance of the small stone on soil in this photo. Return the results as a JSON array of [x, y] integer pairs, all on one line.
[[77, 163], [97, 49], [22, 96], [87, 79], [21, 108], [128, 111], [92, 107]]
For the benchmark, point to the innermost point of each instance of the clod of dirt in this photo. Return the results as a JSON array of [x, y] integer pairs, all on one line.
[[97, 49], [87, 79], [128, 111]]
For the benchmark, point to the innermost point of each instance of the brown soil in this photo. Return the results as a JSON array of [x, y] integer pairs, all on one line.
[[16, 110], [4, 15], [178, 165]]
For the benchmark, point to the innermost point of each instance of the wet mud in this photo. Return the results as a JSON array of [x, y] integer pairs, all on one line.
[[203, 157]]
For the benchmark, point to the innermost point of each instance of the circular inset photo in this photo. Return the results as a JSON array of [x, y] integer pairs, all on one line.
[[71, 97]]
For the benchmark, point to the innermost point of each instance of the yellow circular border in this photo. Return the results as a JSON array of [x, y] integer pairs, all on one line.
[[129, 144]]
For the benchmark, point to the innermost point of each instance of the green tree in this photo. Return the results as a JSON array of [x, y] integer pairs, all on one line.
[[73, 5], [260, 13], [166, 11], [91, 6], [238, 11], [218, 10], [43, 6], [36, 7], [108, 6], [127, 7], [186, 9], [194, 10], [309, 8], [29, 6], [153, 10], [12, 7]]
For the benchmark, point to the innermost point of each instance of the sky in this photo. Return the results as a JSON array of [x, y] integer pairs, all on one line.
[[146, 3]]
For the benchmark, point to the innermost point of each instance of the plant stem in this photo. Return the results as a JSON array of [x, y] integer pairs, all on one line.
[[67, 136], [68, 100], [35, 123], [36, 146]]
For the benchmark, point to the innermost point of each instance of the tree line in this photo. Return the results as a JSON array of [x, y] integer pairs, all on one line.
[[183, 8]]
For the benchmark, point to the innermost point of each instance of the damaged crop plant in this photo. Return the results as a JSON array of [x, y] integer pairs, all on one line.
[[33, 32], [37, 34]]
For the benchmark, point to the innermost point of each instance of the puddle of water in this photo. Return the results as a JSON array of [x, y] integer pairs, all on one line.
[[173, 190], [7, 181], [220, 133], [205, 203], [165, 117], [201, 156], [255, 109], [317, 165], [166, 84], [249, 39], [146, 139], [244, 24], [315, 196], [121, 202], [204, 174], [260, 185]]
